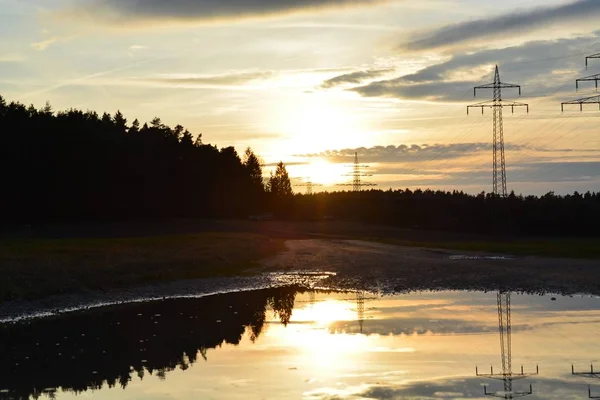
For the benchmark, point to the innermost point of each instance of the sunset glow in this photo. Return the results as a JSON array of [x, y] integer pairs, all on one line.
[[305, 82]]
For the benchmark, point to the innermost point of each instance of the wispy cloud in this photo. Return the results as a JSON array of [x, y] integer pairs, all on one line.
[[230, 79], [514, 23], [11, 58], [44, 44], [204, 10], [354, 77], [528, 64], [137, 47], [407, 153]]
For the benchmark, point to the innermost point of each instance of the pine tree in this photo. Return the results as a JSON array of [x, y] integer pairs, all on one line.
[[279, 183]]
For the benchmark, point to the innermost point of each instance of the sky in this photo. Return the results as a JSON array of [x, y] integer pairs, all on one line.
[[312, 82]]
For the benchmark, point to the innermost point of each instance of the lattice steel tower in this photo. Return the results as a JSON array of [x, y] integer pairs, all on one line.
[[507, 375], [309, 184], [585, 100], [360, 308], [497, 104], [356, 174], [590, 374]]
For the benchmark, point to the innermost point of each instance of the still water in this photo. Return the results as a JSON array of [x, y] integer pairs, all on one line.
[[289, 344]]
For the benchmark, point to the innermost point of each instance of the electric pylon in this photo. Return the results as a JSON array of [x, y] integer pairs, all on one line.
[[591, 57], [590, 374], [360, 308], [312, 298], [507, 375], [356, 174], [309, 184], [497, 104], [586, 100]]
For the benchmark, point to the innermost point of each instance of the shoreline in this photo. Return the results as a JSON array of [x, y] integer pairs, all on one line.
[[351, 265]]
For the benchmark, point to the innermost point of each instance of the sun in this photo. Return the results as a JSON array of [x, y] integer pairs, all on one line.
[[325, 173], [315, 123]]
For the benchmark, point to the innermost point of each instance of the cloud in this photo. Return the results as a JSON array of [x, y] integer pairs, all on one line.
[[354, 77], [231, 79], [137, 47], [11, 58], [417, 326], [514, 23], [468, 387], [527, 64], [408, 153], [44, 44], [204, 10]]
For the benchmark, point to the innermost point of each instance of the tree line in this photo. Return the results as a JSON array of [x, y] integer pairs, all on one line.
[[78, 165], [74, 164], [574, 214]]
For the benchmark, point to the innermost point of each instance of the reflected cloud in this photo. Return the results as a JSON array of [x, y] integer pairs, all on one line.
[[289, 343]]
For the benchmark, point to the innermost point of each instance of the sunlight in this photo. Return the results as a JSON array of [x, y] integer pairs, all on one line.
[[315, 123], [323, 172]]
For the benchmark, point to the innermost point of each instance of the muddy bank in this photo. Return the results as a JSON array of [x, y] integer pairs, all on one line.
[[54, 305], [389, 268], [331, 264]]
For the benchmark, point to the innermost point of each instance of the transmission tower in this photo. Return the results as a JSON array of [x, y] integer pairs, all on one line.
[[309, 184], [312, 298], [586, 100], [591, 57], [360, 308], [356, 174], [590, 374], [507, 375], [497, 104]]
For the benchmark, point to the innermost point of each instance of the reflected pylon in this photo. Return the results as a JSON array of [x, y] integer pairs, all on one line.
[[360, 308], [590, 374], [311, 298], [507, 375]]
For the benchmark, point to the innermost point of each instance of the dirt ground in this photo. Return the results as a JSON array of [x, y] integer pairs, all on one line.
[[389, 268]]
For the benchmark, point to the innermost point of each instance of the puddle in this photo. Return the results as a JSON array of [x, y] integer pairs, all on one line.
[[288, 343]]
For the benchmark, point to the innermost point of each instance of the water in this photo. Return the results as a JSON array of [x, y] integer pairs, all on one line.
[[283, 343]]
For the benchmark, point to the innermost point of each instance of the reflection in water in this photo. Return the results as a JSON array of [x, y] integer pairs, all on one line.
[[507, 375], [360, 308], [286, 343], [590, 374], [106, 346]]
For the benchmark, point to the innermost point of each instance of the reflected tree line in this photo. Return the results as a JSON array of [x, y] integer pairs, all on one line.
[[112, 345], [79, 165]]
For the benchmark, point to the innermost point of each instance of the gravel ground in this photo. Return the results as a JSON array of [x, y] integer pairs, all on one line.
[[354, 265], [388, 268]]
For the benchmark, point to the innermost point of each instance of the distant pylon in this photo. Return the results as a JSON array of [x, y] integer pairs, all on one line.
[[357, 173], [309, 184], [586, 100], [312, 298], [507, 375], [360, 308], [497, 104]]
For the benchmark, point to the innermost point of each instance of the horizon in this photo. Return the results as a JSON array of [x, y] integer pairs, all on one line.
[[312, 85]]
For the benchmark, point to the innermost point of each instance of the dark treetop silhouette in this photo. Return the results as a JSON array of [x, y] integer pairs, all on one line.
[[75, 165]]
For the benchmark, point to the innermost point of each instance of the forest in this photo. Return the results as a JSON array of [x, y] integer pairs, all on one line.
[[78, 165]]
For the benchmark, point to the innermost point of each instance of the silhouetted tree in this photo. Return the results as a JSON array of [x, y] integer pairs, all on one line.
[[279, 183]]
